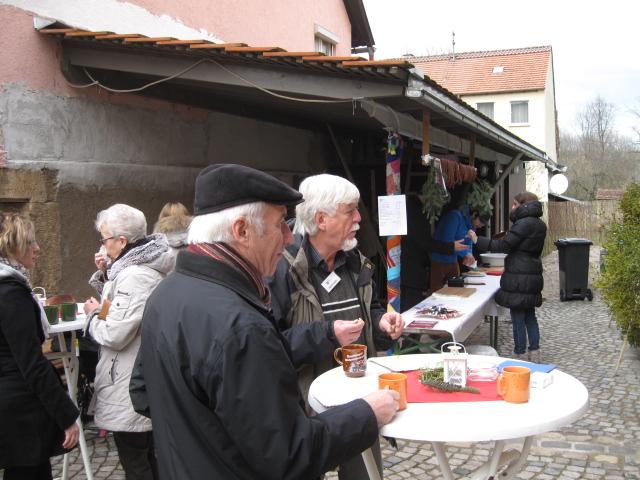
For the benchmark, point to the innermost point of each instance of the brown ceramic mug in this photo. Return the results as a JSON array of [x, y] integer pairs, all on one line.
[[513, 384], [397, 382], [353, 359]]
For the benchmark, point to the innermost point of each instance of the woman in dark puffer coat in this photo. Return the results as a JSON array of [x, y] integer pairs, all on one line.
[[521, 283]]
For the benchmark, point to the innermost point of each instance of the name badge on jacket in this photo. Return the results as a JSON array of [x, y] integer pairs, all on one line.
[[330, 282]]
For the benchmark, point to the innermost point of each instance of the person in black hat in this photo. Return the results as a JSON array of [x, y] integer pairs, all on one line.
[[220, 379]]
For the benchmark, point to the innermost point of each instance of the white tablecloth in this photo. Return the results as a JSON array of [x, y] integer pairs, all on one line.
[[474, 309]]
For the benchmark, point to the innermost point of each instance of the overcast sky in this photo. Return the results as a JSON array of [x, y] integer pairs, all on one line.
[[596, 44]]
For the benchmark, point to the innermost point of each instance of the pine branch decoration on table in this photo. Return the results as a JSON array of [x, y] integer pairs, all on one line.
[[434, 378]]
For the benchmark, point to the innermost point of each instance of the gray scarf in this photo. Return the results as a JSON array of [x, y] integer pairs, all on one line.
[[142, 255]]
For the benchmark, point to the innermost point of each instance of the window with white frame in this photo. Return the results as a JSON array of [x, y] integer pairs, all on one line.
[[324, 46], [520, 111], [325, 40], [485, 108]]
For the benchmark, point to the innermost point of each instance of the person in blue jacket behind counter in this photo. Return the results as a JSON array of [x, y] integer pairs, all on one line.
[[454, 225]]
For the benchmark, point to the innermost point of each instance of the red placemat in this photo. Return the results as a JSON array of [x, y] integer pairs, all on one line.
[[418, 393]]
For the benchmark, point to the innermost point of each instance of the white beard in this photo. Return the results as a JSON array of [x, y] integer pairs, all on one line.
[[349, 244]]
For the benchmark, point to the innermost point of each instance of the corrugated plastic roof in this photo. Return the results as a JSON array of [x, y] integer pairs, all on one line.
[[523, 69], [352, 66], [396, 71]]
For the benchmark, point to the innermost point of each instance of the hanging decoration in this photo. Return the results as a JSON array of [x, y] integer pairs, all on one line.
[[433, 195], [393, 159], [457, 173], [480, 197]]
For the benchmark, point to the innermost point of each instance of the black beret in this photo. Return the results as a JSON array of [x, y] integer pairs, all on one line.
[[226, 185]]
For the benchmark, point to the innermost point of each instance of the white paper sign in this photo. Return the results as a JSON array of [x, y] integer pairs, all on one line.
[[392, 215]]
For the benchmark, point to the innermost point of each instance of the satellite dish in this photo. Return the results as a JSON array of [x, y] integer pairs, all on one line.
[[558, 184]]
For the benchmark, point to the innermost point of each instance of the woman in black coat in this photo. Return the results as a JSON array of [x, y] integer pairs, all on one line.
[[38, 419], [521, 283]]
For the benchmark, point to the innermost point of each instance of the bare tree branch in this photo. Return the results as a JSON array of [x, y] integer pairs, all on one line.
[[597, 156]]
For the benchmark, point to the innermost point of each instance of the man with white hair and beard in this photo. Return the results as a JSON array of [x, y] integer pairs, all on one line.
[[323, 278]]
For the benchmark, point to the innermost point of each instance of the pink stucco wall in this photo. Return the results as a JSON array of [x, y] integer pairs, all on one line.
[[287, 24], [33, 60], [28, 58]]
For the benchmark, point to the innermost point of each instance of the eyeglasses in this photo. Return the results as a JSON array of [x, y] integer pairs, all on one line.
[[103, 240]]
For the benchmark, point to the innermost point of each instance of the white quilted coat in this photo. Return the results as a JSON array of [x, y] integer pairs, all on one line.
[[119, 338]]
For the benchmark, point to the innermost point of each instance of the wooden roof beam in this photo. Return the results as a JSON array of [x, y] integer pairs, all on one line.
[[215, 46], [291, 54], [86, 34], [58, 31], [147, 39], [118, 36]]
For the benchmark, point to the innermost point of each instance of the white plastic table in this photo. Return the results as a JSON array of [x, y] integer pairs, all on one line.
[[71, 367], [549, 408], [475, 307]]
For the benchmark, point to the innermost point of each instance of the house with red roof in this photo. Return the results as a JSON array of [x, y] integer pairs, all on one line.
[[513, 87]]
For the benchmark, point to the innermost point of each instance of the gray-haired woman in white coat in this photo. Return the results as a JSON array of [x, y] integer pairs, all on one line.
[[130, 265]]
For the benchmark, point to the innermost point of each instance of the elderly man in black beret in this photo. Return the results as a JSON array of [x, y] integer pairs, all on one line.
[[221, 381]]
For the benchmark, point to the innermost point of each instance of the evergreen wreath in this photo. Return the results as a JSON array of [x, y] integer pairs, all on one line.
[[480, 197], [433, 197]]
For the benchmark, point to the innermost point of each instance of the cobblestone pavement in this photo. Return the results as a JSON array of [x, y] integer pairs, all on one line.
[[578, 337]]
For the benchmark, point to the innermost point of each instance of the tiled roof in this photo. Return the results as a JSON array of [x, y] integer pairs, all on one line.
[[358, 66], [523, 69]]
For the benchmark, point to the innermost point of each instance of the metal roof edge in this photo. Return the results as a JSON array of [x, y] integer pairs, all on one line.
[[565, 198], [435, 96]]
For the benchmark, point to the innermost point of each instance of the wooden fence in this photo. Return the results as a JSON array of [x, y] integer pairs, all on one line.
[[584, 220]]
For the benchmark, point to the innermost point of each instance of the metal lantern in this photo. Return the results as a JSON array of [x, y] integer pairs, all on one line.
[[455, 363]]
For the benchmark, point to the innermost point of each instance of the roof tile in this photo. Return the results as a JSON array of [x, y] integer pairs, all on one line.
[[472, 72]]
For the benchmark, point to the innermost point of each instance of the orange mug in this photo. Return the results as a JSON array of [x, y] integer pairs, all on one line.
[[397, 382], [104, 309], [513, 384], [353, 359]]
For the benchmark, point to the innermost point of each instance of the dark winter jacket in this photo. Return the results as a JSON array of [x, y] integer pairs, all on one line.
[[34, 407], [521, 283], [222, 385]]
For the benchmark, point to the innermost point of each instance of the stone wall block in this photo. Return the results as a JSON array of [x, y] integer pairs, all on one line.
[[17, 185]]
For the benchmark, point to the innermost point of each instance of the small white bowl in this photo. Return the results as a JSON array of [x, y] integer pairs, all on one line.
[[493, 259]]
